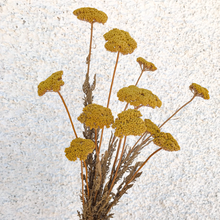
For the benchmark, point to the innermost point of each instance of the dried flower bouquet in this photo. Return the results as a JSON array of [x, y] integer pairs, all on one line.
[[117, 165]]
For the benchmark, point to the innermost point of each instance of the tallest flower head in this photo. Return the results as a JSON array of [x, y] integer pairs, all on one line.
[[119, 41], [91, 15]]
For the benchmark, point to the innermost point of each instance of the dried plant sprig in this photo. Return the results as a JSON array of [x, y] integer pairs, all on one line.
[[91, 15], [200, 91], [138, 97], [52, 84]]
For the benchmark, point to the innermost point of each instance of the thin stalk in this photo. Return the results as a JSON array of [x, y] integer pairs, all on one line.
[[137, 142], [135, 175], [82, 181], [178, 110], [117, 166], [97, 157], [163, 123], [86, 177], [135, 85], [110, 91], [97, 151], [101, 139], [96, 144], [141, 167], [68, 114], [139, 77], [116, 157], [90, 49]]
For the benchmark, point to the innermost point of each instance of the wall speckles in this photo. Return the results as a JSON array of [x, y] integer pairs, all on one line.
[[38, 38]]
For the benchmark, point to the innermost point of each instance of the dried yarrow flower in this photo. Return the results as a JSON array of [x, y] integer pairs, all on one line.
[[96, 116], [91, 15], [119, 41], [79, 148], [145, 65], [137, 96], [151, 127], [52, 83], [129, 123], [166, 141], [199, 91]]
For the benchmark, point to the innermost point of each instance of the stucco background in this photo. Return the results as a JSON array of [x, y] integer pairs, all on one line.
[[40, 37]]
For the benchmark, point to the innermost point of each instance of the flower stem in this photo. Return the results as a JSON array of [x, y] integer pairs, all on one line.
[[90, 49], [116, 172], [68, 114], [141, 167], [116, 157], [86, 177], [82, 182], [96, 147], [177, 111], [101, 139], [135, 85], [138, 141], [163, 123], [110, 91], [139, 77], [97, 151]]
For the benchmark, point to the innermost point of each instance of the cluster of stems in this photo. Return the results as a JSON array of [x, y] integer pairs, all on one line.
[[98, 148]]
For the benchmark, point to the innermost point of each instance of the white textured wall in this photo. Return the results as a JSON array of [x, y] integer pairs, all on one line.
[[40, 37]]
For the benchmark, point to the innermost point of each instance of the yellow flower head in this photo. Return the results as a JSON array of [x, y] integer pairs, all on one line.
[[80, 148], [91, 15], [145, 65], [151, 127], [166, 141], [199, 91], [52, 83], [119, 41], [138, 96], [129, 123], [96, 116]]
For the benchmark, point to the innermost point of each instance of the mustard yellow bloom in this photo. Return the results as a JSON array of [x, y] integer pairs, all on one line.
[[119, 41], [52, 83], [166, 141], [91, 15], [79, 148], [138, 96], [129, 123], [96, 116], [199, 91], [145, 65], [151, 127]]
